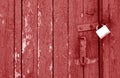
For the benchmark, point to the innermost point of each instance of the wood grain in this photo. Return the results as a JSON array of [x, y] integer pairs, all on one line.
[[75, 10], [29, 38], [18, 43], [91, 16], [111, 55], [7, 39], [83, 12], [40, 39], [45, 45], [60, 39]]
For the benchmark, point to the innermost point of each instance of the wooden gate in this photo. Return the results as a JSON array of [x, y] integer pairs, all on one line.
[[54, 39]]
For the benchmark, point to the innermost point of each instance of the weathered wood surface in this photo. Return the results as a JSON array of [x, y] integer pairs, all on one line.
[[18, 33], [83, 12], [74, 66], [45, 38], [110, 45], [40, 39], [29, 39], [60, 39], [7, 39], [90, 16]]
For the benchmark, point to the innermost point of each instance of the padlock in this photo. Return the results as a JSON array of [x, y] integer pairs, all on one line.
[[102, 32]]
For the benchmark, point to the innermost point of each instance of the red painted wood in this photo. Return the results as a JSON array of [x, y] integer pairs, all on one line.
[[49, 39], [75, 9], [60, 39], [29, 39], [110, 45], [3, 25], [82, 12], [7, 38], [45, 48], [18, 44], [91, 16]]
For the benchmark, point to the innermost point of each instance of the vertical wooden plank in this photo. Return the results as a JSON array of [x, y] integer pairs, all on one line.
[[18, 34], [104, 51], [75, 19], [3, 18], [83, 12], [110, 45], [29, 38], [60, 39], [45, 47], [90, 17], [9, 33], [6, 39]]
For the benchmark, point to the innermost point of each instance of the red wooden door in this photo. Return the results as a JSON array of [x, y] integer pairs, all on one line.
[[54, 39]]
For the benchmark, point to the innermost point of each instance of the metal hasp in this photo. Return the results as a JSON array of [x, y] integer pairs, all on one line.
[[83, 50], [83, 41], [87, 27]]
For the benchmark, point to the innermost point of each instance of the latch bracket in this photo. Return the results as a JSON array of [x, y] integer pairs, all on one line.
[[87, 27], [83, 50], [83, 44]]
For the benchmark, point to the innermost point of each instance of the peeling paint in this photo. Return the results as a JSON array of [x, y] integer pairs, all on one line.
[[91, 61], [17, 74], [29, 7], [66, 44], [70, 52], [27, 27], [69, 63], [26, 21], [38, 6], [16, 55], [50, 48], [39, 52], [51, 24], [39, 18], [3, 21], [69, 75], [28, 36], [82, 14], [24, 44], [77, 62], [1, 15], [29, 4], [50, 68], [28, 71], [23, 76]]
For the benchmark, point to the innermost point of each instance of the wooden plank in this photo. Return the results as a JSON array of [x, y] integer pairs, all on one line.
[[18, 44], [91, 70], [45, 45], [104, 56], [110, 45], [7, 38], [60, 39], [3, 17], [83, 12], [29, 38], [75, 10]]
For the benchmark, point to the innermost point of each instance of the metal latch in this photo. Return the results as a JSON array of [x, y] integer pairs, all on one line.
[[83, 50], [82, 29], [87, 27]]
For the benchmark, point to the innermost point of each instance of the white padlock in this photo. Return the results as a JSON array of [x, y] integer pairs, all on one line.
[[103, 31]]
